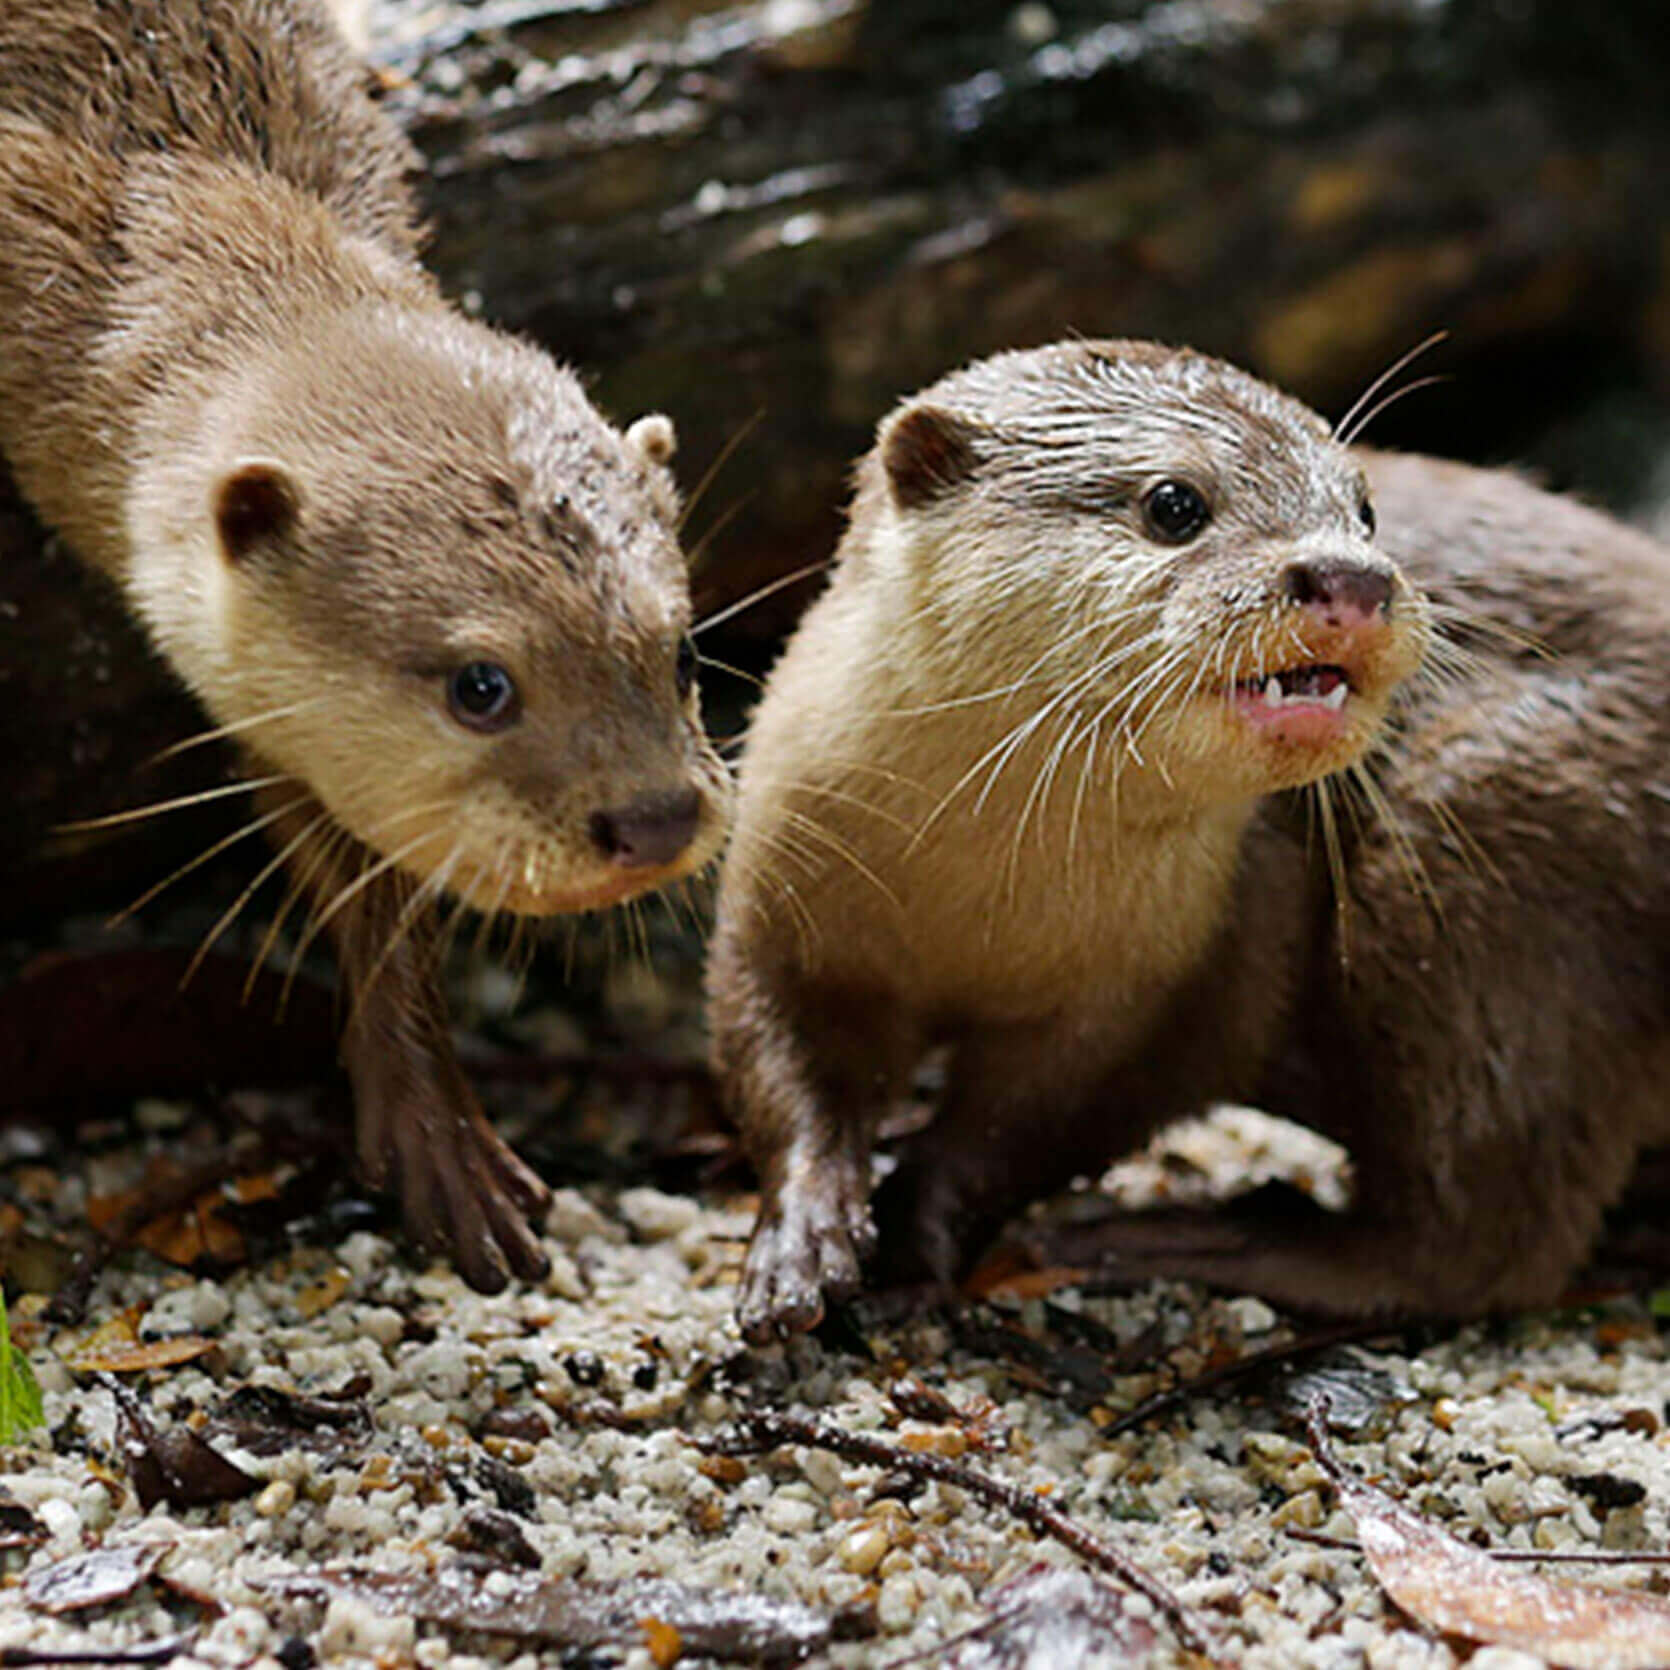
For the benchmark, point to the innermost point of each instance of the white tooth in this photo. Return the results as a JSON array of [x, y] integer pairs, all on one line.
[[1272, 692], [1336, 697]]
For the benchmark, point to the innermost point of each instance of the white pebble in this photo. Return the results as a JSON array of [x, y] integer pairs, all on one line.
[[351, 1626], [790, 1515]]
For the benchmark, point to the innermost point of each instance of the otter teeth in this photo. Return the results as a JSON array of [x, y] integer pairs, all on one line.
[[1307, 686]]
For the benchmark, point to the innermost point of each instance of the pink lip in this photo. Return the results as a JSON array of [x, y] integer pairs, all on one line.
[[1309, 704]]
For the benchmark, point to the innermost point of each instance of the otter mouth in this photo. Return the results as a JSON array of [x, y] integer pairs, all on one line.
[[1305, 707], [1307, 687]]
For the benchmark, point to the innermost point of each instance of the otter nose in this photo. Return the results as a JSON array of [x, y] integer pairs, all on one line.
[[1345, 593], [649, 831]]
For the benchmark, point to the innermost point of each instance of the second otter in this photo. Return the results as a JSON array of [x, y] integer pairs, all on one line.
[[1025, 783], [436, 599]]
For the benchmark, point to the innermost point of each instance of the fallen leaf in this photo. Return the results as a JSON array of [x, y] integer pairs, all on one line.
[[268, 1420], [142, 1354], [192, 1235], [172, 1464], [1050, 1616], [567, 1613], [107, 1574], [19, 1528], [1460, 1590]]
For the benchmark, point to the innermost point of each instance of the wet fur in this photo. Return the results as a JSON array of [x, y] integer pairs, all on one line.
[[208, 277], [1115, 928]]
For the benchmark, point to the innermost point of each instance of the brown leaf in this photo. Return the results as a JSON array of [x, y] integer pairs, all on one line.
[[130, 1359], [1458, 1589], [563, 1613], [268, 1420], [19, 1528], [172, 1464], [194, 1234], [107, 1574]]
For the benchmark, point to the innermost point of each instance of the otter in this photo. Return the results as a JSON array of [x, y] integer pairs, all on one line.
[[1151, 749], [436, 599]]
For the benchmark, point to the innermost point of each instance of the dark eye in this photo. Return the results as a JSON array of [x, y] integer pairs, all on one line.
[[684, 669], [1175, 512], [1366, 511], [483, 696]]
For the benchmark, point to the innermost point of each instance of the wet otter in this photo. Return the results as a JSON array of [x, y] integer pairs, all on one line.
[[435, 597], [1027, 782]]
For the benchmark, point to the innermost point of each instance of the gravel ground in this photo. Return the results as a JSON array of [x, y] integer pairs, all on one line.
[[571, 1409]]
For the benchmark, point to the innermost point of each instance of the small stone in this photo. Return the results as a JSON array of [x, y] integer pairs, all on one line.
[[276, 1500], [861, 1551], [897, 1603], [790, 1515], [654, 1216]]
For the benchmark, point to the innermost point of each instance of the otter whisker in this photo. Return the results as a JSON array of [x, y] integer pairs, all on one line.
[[233, 910], [1392, 399], [759, 595], [354, 889], [699, 551], [237, 727], [1343, 430], [254, 827], [732, 670], [134, 814], [1336, 871], [720, 459], [812, 829]]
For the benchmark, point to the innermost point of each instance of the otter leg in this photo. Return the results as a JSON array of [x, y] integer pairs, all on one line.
[[807, 1075], [418, 1127], [1023, 1115]]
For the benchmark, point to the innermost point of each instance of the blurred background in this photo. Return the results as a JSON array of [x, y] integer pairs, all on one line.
[[793, 212], [773, 218]]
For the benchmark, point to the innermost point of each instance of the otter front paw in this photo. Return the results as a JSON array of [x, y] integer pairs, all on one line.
[[808, 1250], [462, 1189]]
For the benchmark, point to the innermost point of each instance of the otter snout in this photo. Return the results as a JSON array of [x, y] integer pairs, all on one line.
[[1339, 592], [649, 832]]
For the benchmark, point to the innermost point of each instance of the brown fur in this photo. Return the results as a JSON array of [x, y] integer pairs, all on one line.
[[226, 380], [1124, 925]]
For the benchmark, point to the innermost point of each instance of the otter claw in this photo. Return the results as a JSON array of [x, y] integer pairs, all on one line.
[[805, 1254]]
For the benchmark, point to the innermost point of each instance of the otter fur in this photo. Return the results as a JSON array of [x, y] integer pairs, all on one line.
[[437, 600], [1151, 749]]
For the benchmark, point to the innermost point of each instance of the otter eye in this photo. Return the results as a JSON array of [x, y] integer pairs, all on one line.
[[482, 695], [1175, 512], [1366, 511], [684, 668]]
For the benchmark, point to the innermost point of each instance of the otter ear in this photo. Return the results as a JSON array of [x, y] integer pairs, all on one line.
[[256, 503], [927, 451], [655, 437]]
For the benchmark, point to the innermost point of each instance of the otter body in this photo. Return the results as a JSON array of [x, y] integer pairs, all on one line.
[[433, 595], [1030, 782]]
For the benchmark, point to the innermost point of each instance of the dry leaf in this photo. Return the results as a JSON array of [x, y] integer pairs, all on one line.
[[130, 1359], [107, 1574], [1458, 1589], [728, 1625]]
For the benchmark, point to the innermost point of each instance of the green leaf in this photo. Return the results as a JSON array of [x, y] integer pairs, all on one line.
[[20, 1398]]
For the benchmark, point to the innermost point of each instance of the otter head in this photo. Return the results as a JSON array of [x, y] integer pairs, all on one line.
[[416, 570], [1168, 562]]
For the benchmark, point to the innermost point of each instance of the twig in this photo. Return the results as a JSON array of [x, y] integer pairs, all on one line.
[[153, 1652], [1347, 1333], [1513, 1556], [766, 1431]]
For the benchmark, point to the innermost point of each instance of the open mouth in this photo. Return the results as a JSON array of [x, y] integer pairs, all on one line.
[[1295, 687]]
